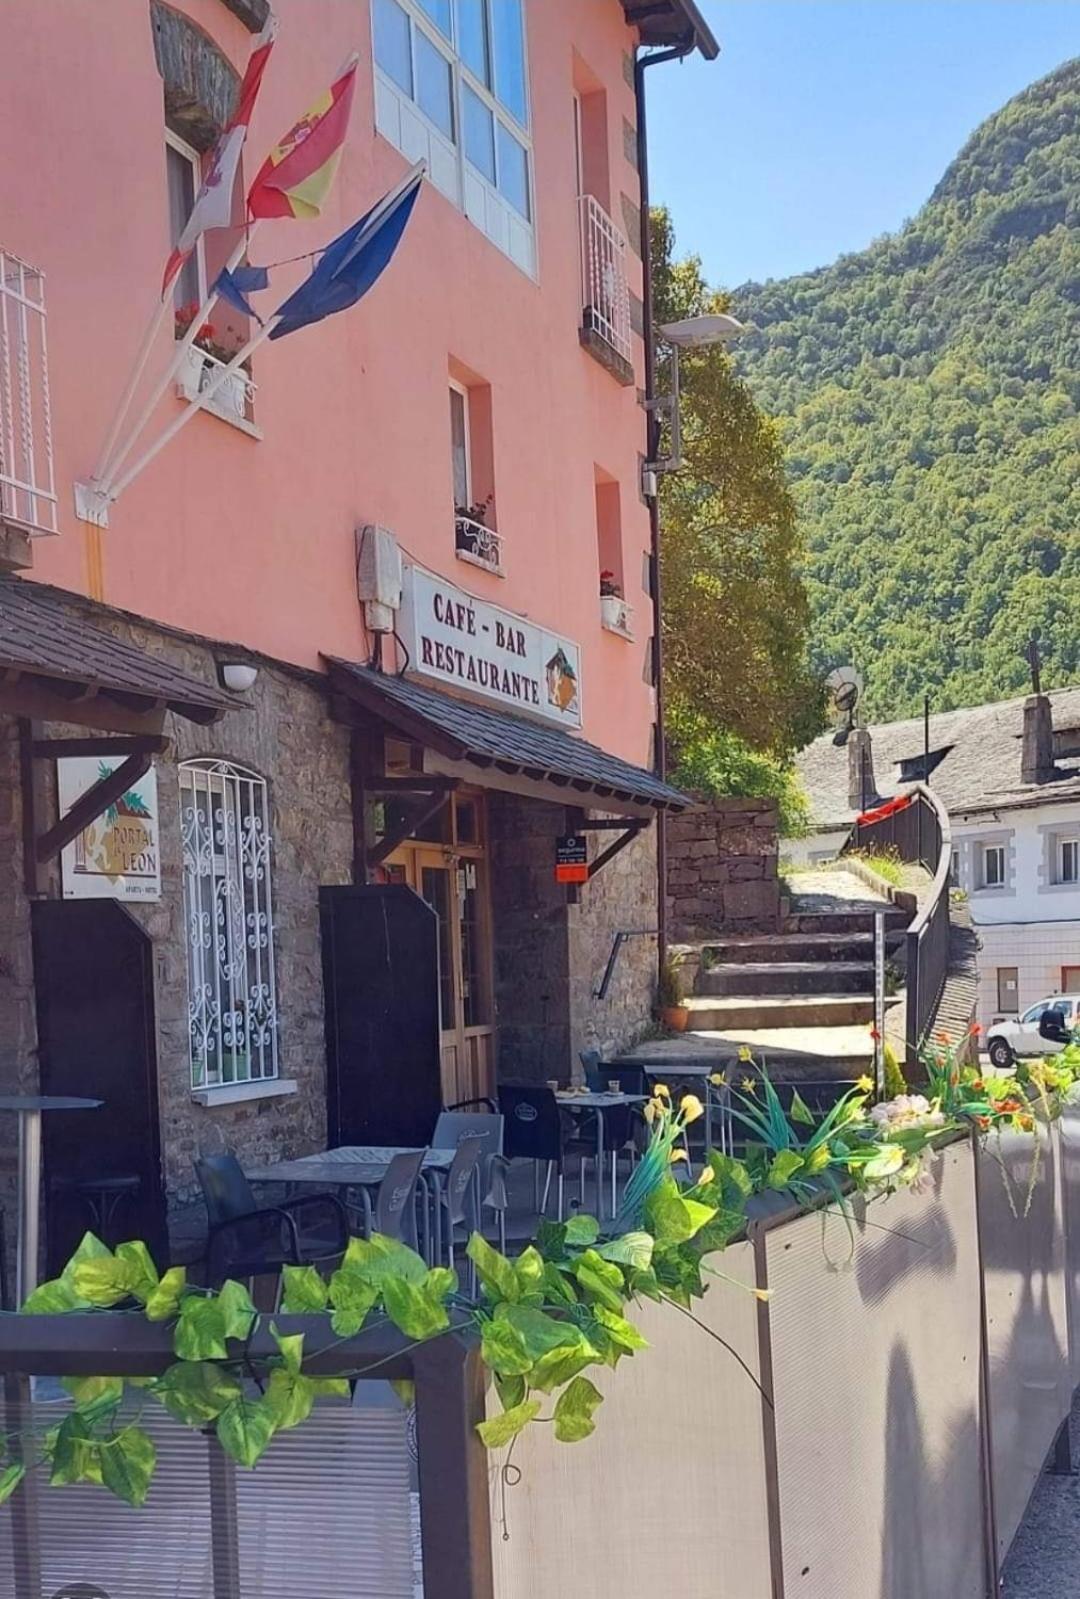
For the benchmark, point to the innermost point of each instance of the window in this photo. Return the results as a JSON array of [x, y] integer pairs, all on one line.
[[459, 448], [463, 66], [1008, 989], [1068, 860], [1031, 1017], [1070, 979], [954, 869], [476, 538], [228, 913], [184, 177], [993, 866]]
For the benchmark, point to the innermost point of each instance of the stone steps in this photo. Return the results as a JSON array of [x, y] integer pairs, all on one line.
[[719, 1014], [844, 922], [756, 947], [772, 977]]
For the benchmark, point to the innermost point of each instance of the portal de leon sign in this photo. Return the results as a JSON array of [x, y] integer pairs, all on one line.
[[454, 638]]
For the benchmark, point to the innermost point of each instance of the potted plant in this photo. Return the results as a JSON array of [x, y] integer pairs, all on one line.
[[198, 373], [471, 532], [612, 604], [670, 1005]]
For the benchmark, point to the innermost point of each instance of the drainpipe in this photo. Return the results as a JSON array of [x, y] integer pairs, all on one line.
[[652, 450]]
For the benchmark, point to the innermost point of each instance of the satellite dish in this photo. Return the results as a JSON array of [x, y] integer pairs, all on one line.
[[845, 686]]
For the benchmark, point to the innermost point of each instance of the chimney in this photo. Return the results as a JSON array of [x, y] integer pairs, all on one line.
[[1037, 747], [862, 790]]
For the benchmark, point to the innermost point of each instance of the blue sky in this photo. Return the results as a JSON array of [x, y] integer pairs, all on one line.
[[825, 123]]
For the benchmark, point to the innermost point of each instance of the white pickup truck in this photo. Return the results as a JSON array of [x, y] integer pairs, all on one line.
[[1020, 1035]]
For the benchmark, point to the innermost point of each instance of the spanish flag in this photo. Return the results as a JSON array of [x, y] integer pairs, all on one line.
[[296, 176]]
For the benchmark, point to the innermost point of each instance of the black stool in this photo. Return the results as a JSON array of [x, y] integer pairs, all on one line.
[[102, 1198]]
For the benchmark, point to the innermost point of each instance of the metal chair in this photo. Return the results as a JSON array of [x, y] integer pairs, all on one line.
[[248, 1240]]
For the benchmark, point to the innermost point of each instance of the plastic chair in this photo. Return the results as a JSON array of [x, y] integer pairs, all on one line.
[[591, 1062], [452, 1128], [395, 1203], [458, 1198], [535, 1131], [248, 1240]]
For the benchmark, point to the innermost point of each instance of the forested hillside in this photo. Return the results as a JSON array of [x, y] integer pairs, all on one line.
[[930, 388]]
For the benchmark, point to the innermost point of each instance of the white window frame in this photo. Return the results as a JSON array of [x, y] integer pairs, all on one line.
[[985, 850], [459, 388], [229, 923], [461, 75], [191, 155], [1068, 843]]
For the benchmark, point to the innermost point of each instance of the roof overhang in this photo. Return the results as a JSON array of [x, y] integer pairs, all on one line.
[[499, 749], [671, 23], [56, 667]]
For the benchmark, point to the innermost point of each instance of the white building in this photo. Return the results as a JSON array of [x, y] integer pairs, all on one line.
[[1009, 775]]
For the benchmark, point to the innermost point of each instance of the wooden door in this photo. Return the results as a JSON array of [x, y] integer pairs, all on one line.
[[93, 977]]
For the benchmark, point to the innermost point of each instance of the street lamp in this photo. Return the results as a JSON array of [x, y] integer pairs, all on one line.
[[692, 333]]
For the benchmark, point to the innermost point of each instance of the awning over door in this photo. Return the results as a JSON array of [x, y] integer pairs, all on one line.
[[501, 744], [55, 666]]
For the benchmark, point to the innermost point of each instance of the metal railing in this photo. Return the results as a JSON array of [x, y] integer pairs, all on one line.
[[605, 293], [617, 615], [27, 486], [476, 542], [920, 834]]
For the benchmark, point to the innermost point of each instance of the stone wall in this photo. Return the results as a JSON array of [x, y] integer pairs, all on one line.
[[722, 869], [550, 954]]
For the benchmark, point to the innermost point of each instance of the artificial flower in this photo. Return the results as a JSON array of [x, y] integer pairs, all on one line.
[[691, 1107], [677, 1155], [748, 1085], [717, 1079], [886, 1163], [662, 1091], [745, 1052], [864, 1084]]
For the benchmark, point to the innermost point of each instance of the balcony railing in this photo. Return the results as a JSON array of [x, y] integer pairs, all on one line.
[[27, 487], [605, 294], [234, 401], [477, 544]]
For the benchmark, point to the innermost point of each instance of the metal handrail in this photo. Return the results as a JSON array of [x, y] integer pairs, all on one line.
[[605, 291]]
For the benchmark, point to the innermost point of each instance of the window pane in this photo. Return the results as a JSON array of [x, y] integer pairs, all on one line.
[[474, 994], [508, 49], [180, 176], [439, 12], [392, 43], [435, 888], [433, 94], [459, 449], [472, 39], [513, 171], [478, 133]]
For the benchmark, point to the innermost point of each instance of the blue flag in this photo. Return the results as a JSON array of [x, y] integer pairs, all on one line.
[[234, 286], [352, 263]]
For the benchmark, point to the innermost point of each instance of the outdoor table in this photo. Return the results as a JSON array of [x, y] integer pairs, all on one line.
[[353, 1166], [29, 1108], [693, 1074], [598, 1102]]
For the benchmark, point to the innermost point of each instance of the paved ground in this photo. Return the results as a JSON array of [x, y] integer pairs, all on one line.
[[1044, 1562], [815, 892]]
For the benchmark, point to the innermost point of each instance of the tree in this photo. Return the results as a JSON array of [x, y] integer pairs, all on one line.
[[735, 615]]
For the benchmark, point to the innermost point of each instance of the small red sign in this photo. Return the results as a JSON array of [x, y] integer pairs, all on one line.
[[572, 859]]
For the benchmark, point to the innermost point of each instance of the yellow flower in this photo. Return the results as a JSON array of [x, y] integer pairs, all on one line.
[[677, 1155], [649, 1111], [717, 1079], [662, 1091], [707, 1176], [748, 1085], [764, 1294], [691, 1107], [864, 1084], [746, 1053]]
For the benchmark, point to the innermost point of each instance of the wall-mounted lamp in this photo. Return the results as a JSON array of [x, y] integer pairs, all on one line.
[[692, 333], [237, 676]]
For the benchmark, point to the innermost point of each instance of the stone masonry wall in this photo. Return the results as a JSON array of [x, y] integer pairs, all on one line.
[[550, 955], [722, 869]]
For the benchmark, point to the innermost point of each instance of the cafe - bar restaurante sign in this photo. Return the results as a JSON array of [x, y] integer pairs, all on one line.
[[457, 639]]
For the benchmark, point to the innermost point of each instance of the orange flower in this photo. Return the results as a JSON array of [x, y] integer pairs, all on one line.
[[983, 1122], [875, 1035], [975, 1030], [943, 1038], [978, 1085]]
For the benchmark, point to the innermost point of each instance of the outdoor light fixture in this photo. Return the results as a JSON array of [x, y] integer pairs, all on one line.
[[238, 675], [692, 333]]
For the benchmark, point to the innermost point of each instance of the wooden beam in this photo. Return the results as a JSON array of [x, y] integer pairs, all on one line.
[[137, 744], [89, 806], [610, 825], [28, 795], [420, 784], [414, 819], [614, 848], [30, 697]]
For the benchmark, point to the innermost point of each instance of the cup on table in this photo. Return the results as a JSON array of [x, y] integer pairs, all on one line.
[[553, 1084], [614, 1085]]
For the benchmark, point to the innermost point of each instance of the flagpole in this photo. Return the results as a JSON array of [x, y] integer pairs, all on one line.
[[113, 458], [128, 395], [114, 490]]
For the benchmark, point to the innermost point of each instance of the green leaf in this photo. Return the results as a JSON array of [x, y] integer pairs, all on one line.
[[95, 1396], [414, 1309], [495, 1271], [405, 1389], [601, 1280], [53, 1299], [352, 1297], [379, 1258], [195, 1392], [732, 1177], [817, 1159], [529, 1268], [74, 1453], [244, 1430], [440, 1283], [331, 1387], [574, 1410], [886, 1163], [561, 1365], [237, 1309], [511, 1391], [502, 1349], [645, 1283], [200, 1330], [144, 1274], [290, 1398], [538, 1331], [305, 1290], [623, 1332], [800, 1111], [632, 1249], [291, 1348], [164, 1301], [501, 1430], [127, 1464], [783, 1168], [11, 1479], [674, 1219], [104, 1282], [551, 1239], [582, 1230], [557, 1286]]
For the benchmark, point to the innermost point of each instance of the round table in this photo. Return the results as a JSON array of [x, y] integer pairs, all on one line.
[[29, 1109]]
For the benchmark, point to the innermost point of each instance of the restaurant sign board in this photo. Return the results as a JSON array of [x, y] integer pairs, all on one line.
[[572, 858], [454, 638], [118, 855]]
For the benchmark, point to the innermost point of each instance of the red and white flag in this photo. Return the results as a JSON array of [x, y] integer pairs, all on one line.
[[213, 206]]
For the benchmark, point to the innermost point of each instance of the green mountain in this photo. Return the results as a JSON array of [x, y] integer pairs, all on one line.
[[929, 389]]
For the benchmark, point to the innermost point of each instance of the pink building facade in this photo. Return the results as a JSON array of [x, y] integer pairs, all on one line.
[[321, 896]]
